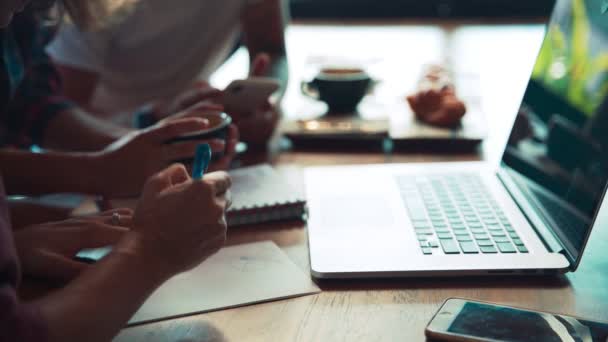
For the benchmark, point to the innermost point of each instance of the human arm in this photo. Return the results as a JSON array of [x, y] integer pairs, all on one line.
[[47, 250], [177, 224], [78, 83], [27, 173], [161, 244], [38, 112], [27, 211], [117, 171], [264, 23]]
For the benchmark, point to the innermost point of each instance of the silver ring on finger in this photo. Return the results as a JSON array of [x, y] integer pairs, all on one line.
[[116, 219]]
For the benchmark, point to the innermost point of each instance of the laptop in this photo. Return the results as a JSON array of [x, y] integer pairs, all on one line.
[[530, 215]]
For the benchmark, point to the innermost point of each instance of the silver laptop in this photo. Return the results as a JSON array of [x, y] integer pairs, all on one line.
[[532, 214]]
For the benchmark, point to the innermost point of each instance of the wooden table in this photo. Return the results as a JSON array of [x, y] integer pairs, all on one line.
[[395, 310]]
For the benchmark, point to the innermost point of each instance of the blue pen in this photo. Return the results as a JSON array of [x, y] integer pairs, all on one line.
[[201, 161]]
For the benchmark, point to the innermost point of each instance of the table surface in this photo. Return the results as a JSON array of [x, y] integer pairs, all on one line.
[[500, 56]]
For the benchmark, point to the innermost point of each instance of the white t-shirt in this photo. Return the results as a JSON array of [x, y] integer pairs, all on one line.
[[157, 51]]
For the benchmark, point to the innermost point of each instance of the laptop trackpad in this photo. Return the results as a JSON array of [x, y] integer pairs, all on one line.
[[350, 211]]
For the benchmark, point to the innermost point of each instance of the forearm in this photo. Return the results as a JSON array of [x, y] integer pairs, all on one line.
[[27, 173], [264, 24], [100, 302], [77, 130], [26, 212]]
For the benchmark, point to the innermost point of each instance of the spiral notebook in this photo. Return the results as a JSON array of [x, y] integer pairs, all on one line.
[[260, 194]]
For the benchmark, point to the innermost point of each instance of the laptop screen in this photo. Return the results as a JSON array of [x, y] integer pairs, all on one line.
[[558, 149]]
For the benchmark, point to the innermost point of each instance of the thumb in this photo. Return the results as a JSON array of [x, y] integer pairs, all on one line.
[[174, 174], [260, 64]]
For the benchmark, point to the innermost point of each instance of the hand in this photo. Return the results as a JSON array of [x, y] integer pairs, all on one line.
[[126, 164], [227, 147], [180, 222], [48, 250], [260, 65], [200, 93], [223, 164], [256, 128]]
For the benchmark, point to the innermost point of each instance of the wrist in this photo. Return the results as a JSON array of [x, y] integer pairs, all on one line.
[[90, 176], [101, 174], [139, 250]]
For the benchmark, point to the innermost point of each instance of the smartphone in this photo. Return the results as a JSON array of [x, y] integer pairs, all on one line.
[[93, 255], [462, 320], [244, 96]]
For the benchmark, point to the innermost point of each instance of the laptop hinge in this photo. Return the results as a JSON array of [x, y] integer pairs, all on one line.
[[542, 229]]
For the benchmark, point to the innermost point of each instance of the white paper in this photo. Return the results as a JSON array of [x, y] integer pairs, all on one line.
[[235, 276]]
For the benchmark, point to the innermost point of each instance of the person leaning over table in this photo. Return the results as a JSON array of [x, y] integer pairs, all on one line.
[[101, 158], [160, 50], [178, 222], [32, 111]]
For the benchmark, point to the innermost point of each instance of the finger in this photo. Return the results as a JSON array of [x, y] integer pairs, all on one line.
[[187, 149], [225, 199], [230, 152], [199, 94], [207, 106], [107, 213], [228, 199], [120, 211], [119, 220], [260, 64], [223, 164], [165, 179], [100, 235], [202, 84], [219, 181], [231, 148], [180, 175], [124, 217], [199, 110], [267, 106], [178, 127], [233, 132]]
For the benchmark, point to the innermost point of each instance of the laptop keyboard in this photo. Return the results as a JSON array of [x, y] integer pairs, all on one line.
[[457, 215]]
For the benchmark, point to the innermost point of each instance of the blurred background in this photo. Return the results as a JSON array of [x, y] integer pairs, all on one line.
[[326, 9]]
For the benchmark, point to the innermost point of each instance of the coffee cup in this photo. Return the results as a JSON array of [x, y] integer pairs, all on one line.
[[340, 88], [218, 129]]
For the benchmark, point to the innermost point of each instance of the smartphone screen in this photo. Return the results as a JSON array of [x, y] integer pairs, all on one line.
[[507, 324]]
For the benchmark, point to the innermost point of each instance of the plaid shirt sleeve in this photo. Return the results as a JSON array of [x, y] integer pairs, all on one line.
[[37, 98]]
